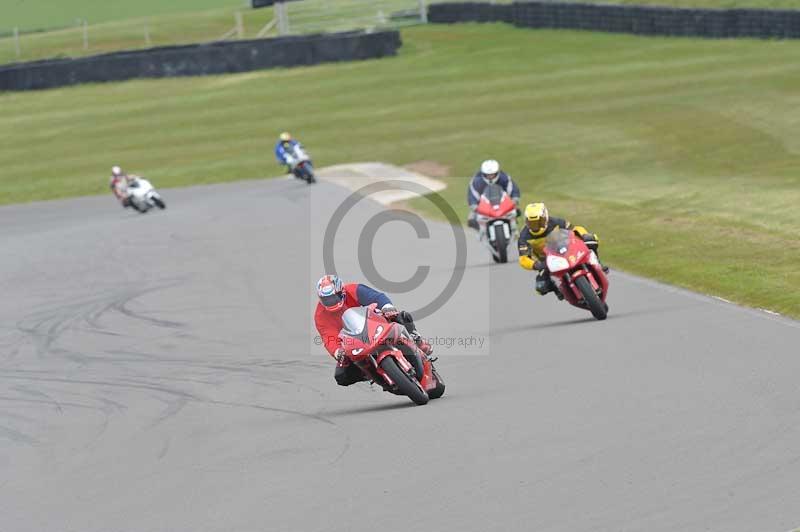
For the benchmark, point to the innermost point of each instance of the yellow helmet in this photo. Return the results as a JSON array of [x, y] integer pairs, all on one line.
[[537, 218], [285, 136]]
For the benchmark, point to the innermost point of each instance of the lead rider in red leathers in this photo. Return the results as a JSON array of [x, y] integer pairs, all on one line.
[[336, 297]]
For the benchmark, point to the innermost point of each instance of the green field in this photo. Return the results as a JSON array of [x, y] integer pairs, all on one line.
[[682, 154], [42, 14], [180, 28]]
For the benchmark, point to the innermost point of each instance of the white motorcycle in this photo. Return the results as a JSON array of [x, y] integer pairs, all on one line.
[[143, 196], [300, 164]]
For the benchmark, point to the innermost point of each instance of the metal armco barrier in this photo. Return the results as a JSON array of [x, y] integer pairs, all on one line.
[[640, 20], [202, 59]]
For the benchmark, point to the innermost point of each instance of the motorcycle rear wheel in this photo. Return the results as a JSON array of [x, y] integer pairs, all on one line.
[[439, 390], [598, 309], [405, 384]]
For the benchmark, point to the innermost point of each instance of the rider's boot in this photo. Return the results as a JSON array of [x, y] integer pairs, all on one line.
[[424, 346], [545, 285]]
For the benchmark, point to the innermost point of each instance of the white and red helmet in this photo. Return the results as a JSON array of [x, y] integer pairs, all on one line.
[[330, 291], [116, 171]]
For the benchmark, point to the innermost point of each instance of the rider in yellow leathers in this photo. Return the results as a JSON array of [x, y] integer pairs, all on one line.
[[532, 239]]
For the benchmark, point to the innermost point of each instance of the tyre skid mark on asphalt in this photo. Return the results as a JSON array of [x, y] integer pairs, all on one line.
[[164, 449], [44, 328], [108, 406], [17, 436], [306, 415], [38, 393], [182, 398]]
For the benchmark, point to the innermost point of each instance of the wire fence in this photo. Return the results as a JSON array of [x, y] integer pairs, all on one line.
[[306, 16], [314, 16]]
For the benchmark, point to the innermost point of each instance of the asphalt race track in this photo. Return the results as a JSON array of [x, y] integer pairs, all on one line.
[[159, 372]]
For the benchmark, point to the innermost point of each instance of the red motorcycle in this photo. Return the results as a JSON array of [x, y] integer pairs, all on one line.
[[386, 354], [580, 275], [496, 215]]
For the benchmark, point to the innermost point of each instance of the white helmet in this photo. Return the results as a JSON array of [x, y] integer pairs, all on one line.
[[116, 170], [490, 170]]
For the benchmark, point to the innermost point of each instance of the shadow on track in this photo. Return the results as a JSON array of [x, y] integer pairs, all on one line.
[[588, 319], [371, 408], [532, 327]]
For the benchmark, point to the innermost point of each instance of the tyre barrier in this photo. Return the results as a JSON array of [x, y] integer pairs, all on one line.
[[201, 59], [639, 20]]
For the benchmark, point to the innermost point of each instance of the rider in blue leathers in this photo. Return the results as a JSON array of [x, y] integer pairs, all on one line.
[[284, 149], [489, 174]]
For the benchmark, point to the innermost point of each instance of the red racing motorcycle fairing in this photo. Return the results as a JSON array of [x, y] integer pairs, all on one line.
[[578, 272], [496, 216], [369, 339]]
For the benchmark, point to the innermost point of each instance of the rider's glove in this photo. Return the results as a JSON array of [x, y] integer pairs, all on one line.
[[539, 265], [590, 239], [389, 312], [340, 357]]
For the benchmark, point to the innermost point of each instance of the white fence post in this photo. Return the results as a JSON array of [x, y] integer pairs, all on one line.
[[423, 12], [85, 35], [280, 14], [239, 25], [16, 42], [147, 41]]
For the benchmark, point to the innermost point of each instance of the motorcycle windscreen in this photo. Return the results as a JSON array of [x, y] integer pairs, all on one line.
[[354, 320], [493, 194], [558, 241]]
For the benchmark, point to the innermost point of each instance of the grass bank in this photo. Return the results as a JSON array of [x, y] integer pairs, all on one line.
[[682, 154], [43, 14]]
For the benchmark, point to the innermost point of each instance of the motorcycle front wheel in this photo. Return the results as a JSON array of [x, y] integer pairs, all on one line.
[[405, 384], [501, 247], [598, 309]]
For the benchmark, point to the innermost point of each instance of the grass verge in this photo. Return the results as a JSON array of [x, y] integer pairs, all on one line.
[[682, 154]]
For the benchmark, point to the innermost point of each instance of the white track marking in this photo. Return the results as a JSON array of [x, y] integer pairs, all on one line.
[[356, 175]]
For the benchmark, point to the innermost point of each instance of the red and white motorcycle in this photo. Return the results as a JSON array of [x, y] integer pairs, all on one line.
[[496, 215], [386, 354], [143, 196], [578, 271]]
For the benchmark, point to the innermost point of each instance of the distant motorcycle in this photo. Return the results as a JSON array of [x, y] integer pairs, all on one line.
[[300, 164], [387, 355], [496, 215], [578, 271], [143, 196]]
